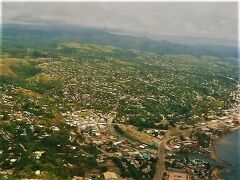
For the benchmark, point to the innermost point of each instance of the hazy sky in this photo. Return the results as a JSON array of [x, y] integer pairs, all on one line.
[[211, 20]]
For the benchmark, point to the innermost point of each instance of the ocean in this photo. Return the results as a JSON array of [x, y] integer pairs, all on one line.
[[228, 151]]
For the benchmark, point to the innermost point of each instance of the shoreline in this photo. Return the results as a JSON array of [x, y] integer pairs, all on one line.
[[213, 155]]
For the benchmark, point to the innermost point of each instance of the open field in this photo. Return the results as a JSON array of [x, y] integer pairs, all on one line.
[[106, 49], [28, 92], [135, 134], [5, 67], [8, 66]]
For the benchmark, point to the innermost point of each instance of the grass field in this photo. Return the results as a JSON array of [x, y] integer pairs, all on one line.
[[106, 49], [7, 64], [135, 134]]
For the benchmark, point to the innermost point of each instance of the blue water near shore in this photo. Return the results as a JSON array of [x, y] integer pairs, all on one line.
[[228, 151]]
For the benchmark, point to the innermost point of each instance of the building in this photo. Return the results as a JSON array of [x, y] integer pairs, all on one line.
[[77, 178], [110, 175], [178, 176]]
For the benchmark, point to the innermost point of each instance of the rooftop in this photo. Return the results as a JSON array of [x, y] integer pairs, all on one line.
[[178, 176], [110, 175]]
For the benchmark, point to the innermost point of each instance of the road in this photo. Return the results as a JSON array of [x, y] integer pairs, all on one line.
[[161, 151], [160, 168], [161, 157]]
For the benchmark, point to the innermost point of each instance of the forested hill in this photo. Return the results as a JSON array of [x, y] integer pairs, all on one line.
[[16, 39]]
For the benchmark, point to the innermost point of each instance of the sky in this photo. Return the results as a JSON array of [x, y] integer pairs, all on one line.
[[217, 20]]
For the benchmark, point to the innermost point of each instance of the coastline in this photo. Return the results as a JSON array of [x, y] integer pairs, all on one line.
[[216, 174]]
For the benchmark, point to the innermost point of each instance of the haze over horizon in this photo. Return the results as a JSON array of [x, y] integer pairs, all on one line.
[[207, 20]]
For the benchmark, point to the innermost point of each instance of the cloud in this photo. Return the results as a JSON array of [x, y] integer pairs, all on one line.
[[209, 19]]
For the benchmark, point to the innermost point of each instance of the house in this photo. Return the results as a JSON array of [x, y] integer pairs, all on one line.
[[176, 147], [145, 155], [178, 176], [117, 143], [205, 129], [38, 154], [143, 146], [77, 178], [110, 175]]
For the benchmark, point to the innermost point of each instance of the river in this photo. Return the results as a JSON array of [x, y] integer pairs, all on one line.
[[228, 151]]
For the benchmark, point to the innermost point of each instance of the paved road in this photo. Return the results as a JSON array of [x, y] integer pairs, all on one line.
[[159, 170], [161, 151], [161, 157]]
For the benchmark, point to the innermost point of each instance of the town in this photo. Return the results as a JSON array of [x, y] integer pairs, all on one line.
[[103, 124], [119, 91]]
